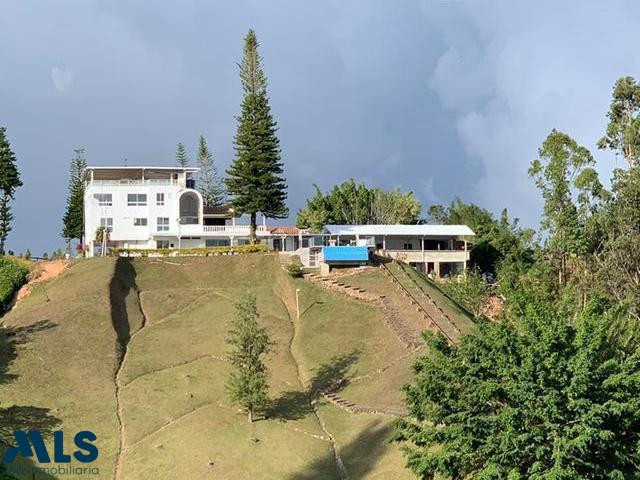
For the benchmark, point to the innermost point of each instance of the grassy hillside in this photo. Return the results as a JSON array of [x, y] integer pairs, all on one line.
[[134, 350]]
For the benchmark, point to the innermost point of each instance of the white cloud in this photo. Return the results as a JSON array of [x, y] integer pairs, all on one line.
[[62, 79], [510, 74]]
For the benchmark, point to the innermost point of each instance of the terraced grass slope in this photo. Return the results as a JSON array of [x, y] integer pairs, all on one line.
[[134, 350]]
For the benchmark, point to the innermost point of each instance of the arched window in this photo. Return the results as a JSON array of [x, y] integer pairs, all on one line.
[[189, 208]]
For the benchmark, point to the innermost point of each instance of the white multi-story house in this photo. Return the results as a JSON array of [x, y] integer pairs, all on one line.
[[160, 208], [156, 207]]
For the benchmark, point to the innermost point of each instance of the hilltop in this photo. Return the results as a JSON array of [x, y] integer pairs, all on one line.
[[134, 350]]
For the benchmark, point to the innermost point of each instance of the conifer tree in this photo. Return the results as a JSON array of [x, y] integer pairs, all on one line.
[[182, 159], [255, 179], [73, 219], [209, 185], [247, 383], [6, 218], [9, 181]]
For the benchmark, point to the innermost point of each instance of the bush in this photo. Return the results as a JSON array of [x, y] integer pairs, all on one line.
[[295, 268], [470, 291], [14, 273], [201, 252]]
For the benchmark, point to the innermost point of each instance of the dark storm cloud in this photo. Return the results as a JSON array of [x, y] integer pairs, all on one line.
[[443, 98]]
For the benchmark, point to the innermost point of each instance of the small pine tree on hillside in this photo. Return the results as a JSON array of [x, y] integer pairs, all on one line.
[[73, 219], [182, 159], [210, 185], [247, 383], [255, 179], [5, 219], [9, 181]]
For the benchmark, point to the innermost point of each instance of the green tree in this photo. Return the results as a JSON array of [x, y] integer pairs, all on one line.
[[470, 291], [255, 179], [6, 217], [497, 240], [351, 203], [73, 219], [562, 167], [9, 181], [535, 398], [209, 185], [623, 130], [182, 159], [247, 384]]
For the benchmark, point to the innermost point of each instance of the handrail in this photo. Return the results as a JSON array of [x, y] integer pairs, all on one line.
[[410, 295], [430, 298]]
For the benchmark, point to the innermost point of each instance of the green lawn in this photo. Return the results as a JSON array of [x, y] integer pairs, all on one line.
[[173, 316]]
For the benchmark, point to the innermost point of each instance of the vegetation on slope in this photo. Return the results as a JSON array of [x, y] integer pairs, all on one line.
[[13, 274]]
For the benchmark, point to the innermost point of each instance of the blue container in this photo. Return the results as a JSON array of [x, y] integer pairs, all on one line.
[[345, 254]]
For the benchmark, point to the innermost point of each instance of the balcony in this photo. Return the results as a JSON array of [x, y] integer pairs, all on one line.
[[220, 230], [428, 255], [233, 230], [135, 181]]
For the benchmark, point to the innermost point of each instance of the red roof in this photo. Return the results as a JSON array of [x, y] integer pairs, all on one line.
[[285, 230]]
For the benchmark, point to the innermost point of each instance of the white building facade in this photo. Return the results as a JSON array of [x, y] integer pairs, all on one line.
[[151, 208], [155, 207]]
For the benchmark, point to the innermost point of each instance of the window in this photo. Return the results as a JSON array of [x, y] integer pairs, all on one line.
[[107, 222], [160, 199], [139, 222], [104, 199], [215, 242], [163, 224], [408, 246], [137, 200], [162, 244]]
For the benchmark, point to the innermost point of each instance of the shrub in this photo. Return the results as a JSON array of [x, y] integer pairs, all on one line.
[[13, 274], [201, 252], [295, 268], [470, 291]]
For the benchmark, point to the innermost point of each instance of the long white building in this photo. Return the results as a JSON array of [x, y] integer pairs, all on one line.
[[160, 208]]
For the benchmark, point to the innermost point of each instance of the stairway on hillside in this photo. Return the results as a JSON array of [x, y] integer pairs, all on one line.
[[424, 302]]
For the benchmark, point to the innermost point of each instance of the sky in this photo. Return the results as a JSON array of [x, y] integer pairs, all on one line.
[[444, 98]]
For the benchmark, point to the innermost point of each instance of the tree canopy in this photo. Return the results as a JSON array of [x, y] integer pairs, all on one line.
[[351, 203], [551, 390], [255, 179], [209, 183], [73, 219], [9, 182]]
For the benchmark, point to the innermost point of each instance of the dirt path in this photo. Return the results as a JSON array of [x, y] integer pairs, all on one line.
[[340, 468], [44, 271]]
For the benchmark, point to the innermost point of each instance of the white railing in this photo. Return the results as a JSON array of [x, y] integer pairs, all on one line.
[[233, 230], [134, 181]]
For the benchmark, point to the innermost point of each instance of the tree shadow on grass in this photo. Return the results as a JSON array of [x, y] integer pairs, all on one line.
[[359, 456], [21, 417], [330, 377]]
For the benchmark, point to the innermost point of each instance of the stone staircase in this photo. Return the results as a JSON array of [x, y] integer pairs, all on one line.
[[355, 408], [391, 317]]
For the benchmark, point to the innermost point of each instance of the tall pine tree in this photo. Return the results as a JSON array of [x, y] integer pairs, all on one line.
[[182, 159], [209, 185], [73, 219], [9, 181], [255, 179]]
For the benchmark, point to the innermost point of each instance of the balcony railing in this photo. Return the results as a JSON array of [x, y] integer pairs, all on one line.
[[134, 181], [233, 230]]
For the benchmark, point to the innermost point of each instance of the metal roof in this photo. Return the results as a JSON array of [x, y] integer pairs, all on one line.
[[420, 230]]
